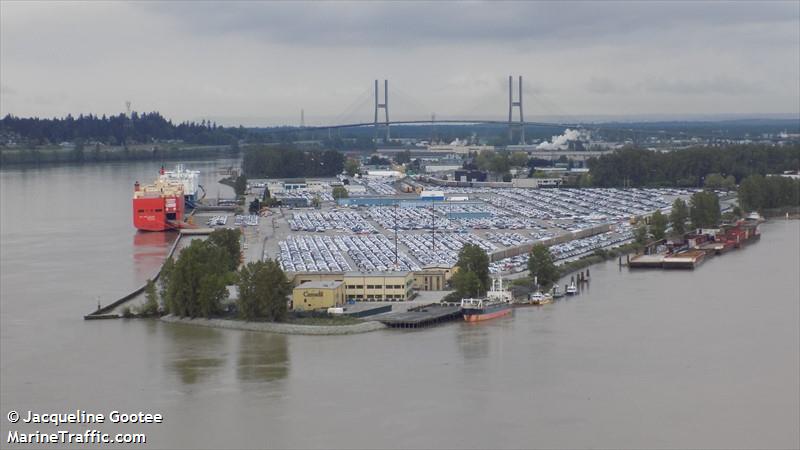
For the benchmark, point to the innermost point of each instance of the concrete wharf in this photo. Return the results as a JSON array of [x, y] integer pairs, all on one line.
[[421, 317]]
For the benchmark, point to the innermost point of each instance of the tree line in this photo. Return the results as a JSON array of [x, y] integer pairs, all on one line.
[[289, 162], [117, 130], [688, 167], [757, 193]]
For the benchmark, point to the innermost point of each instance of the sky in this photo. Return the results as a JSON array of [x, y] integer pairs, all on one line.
[[261, 63]]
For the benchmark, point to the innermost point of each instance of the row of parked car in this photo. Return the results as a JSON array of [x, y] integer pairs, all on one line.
[[442, 248], [330, 220], [217, 221], [311, 254], [374, 253], [566, 251], [407, 218], [246, 219]]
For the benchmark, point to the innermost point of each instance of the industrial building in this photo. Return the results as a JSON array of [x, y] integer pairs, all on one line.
[[379, 286], [313, 295], [469, 175]]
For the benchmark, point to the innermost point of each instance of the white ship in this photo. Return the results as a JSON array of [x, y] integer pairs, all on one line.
[[188, 178]]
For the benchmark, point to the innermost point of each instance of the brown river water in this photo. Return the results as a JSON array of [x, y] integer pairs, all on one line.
[[641, 359]]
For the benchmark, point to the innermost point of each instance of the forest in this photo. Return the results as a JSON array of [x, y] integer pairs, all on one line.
[[288, 162], [636, 167], [115, 130]]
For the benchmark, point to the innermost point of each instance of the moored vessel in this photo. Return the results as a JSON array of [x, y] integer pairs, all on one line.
[[158, 206], [540, 298], [572, 289], [189, 179], [497, 303]]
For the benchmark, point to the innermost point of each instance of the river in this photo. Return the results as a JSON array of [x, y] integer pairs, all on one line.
[[641, 359]]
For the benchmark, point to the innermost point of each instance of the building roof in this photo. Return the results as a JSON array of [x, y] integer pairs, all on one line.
[[320, 285], [386, 274]]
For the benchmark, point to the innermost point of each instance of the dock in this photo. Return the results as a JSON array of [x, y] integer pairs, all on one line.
[[684, 260], [688, 259], [421, 317], [647, 261]]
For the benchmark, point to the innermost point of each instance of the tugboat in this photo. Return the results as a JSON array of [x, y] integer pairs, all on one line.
[[497, 303]]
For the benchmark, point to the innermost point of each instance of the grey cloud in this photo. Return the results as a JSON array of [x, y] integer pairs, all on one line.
[[415, 23], [603, 85], [717, 85]]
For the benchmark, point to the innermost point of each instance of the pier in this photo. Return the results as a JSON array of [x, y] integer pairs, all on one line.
[[420, 317]]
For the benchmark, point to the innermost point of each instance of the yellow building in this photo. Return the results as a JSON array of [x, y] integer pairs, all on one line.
[[313, 295], [380, 286], [432, 278], [304, 277]]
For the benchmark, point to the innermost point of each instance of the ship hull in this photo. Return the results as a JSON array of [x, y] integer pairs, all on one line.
[[477, 315], [158, 213]]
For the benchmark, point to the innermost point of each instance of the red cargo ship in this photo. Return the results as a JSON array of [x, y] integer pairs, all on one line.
[[158, 206]]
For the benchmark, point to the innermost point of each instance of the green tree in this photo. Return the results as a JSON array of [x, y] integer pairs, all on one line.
[[704, 211], [316, 202], [403, 157], [466, 284], [150, 307], [352, 166], [714, 181], [640, 234], [751, 193], [678, 216], [263, 291], [658, 225], [339, 192], [227, 239], [541, 266], [519, 159], [472, 258], [197, 281], [240, 185], [730, 183], [255, 206], [500, 163]]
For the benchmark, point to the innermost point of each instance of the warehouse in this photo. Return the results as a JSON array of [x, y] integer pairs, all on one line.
[[390, 286], [313, 295]]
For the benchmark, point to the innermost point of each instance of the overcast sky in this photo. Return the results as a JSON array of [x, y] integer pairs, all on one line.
[[256, 63]]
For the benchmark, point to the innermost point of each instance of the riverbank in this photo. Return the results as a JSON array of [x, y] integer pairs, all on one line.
[[279, 328], [793, 212], [107, 153]]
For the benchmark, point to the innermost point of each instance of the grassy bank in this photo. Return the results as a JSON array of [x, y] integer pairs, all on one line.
[[599, 256], [521, 286]]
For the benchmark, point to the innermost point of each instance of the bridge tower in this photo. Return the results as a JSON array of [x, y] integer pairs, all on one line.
[[511, 104], [384, 106]]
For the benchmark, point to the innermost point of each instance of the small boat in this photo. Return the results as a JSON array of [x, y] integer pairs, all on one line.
[[556, 292], [572, 289], [539, 298]]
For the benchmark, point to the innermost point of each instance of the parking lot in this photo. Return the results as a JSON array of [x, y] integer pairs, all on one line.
[[336, 238]]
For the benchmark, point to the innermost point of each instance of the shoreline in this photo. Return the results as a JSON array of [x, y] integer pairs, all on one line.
[[278, 328]]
